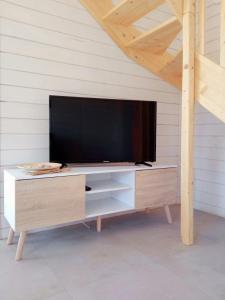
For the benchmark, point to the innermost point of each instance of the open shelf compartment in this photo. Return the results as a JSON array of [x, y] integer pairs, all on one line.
[[101, 183], [111, 193]]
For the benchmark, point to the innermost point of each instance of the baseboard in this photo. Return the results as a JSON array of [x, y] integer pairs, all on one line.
[[211, 209]]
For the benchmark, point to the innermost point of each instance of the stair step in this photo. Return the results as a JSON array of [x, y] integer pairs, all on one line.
[[174, 69], [159, 38], [129, 11], [176, 7]]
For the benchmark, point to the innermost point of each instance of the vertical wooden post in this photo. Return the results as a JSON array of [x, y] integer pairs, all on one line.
[[222, 34], [187, 123], [201, 25]]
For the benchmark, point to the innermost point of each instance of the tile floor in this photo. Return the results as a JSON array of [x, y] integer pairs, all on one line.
[[136, 257]]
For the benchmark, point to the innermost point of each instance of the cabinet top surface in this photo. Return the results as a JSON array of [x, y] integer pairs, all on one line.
[[20, 174]]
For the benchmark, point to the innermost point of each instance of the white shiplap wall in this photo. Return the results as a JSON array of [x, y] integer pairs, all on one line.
[[210, 135], [56, 47]]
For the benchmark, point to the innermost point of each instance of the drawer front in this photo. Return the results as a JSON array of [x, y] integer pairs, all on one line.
[[49, 201], [156, 187]]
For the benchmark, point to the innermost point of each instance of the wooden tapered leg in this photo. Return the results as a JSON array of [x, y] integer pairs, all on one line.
[[99, 224], [168, 214], [19, 251], [10, 236]]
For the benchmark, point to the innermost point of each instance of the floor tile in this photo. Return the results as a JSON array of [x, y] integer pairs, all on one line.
[[138, 256]]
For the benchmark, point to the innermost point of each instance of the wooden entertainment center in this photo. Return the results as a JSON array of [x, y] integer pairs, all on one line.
[[32, 202]]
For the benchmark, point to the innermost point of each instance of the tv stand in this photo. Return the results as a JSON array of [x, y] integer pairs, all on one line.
[[36, 202]]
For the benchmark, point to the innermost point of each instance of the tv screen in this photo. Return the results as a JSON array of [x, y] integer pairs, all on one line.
[[90, 130]]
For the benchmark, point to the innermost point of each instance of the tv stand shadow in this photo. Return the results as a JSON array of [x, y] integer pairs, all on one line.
[[143, 163], [37, 202]]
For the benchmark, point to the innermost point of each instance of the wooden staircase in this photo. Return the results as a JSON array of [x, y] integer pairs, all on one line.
[[150, 49]]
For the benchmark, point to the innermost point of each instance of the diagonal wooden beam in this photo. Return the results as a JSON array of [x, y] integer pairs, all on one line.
[[127, 12], [155, 63], [174, 69], [212, 74], [209, 86], [176, 7], [215, 109], [158, 39]]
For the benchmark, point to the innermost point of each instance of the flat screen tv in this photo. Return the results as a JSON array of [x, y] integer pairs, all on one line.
[[90, 130]]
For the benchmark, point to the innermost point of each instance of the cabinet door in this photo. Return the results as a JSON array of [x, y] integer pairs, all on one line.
[[49, 201], [156, 187]]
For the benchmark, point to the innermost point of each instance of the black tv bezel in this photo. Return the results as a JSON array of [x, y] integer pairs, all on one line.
[[52, 97]]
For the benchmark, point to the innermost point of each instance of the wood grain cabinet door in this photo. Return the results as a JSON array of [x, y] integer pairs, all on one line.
[[156, 187], [49, 201]]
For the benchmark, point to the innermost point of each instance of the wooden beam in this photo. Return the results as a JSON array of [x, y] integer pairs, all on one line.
[[159, 38], [212, 75], [127, 12], [222, 34], [187, 122], [209, 86], [201, 26], [176, 7], [156, 64]]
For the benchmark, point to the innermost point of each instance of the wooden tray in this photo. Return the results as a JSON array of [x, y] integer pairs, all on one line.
[[42, 166], [42, 172]]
